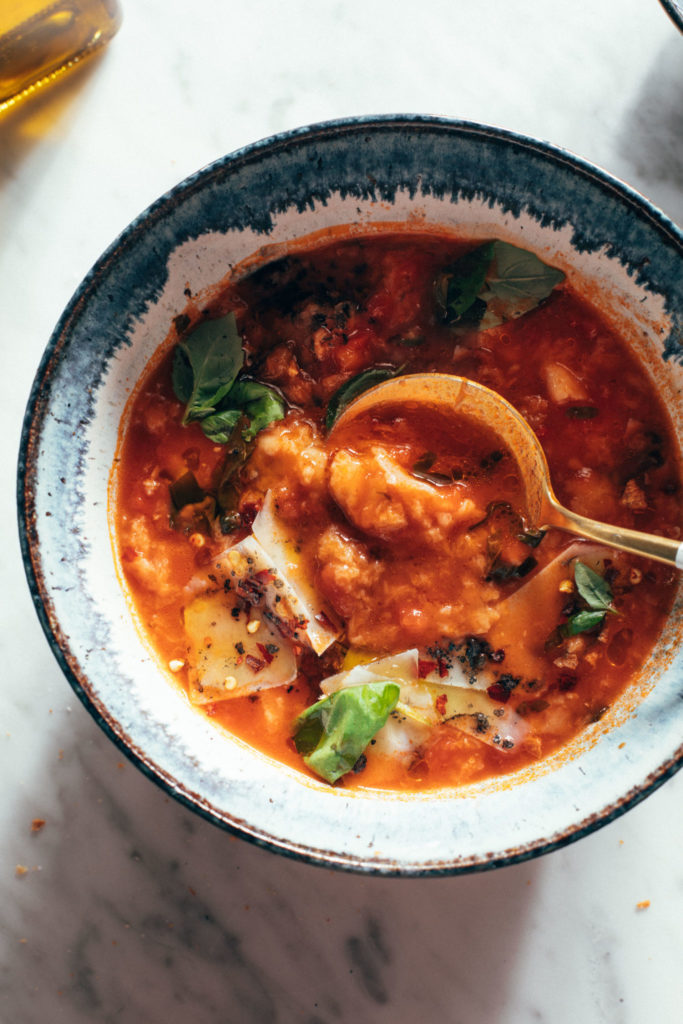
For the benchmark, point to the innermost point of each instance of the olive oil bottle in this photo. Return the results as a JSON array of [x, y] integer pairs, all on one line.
[[42, 39]]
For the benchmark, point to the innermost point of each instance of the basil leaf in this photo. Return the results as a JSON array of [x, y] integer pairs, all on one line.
[[186, 491], [422, 471], [192, 508], [502, 571], [458, 287], [262, 404], [532, 538], [182, 376], [424, 463], [518, 277], [592, 588], [219, 426], [354, 387], [582, 621], [493, 283], [333, 733], [236, 453], [205, 366]]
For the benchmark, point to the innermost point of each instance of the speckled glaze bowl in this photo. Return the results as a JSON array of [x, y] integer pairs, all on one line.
[[674, 8], [477, 180]]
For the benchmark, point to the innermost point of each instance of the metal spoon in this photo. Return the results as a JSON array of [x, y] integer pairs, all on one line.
[[442, 390]]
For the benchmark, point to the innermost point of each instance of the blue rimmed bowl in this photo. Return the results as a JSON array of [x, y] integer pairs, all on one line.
[[415, 171], [674, 8]]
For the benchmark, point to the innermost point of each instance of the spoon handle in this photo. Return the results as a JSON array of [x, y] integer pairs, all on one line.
[[663, 549]]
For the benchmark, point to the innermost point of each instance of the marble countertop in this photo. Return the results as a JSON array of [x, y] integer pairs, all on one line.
[[124, 906]]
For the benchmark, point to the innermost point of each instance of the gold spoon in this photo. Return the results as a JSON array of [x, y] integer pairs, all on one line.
[[442, 390]]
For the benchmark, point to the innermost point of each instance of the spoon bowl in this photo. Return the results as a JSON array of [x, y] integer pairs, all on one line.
[[450, 393]]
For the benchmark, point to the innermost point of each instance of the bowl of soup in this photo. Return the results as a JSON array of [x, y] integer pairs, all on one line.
[[342, 638]]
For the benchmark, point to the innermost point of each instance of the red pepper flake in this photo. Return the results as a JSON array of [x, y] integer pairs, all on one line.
[[251, 589], [288, 627], [443, 669], [265, 653], [425, 668], [567, 681], [202, 556], [499, 693], [441, 702], [324, 621], [255, 664], [265, 576], [248, 512]]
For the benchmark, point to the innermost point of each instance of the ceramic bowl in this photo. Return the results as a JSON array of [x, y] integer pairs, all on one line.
[[478, 180], [674, 8]]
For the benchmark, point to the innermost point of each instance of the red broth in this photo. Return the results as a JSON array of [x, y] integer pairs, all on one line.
[[478, 588]]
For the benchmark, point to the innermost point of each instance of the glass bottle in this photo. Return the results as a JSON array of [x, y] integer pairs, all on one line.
[[41, 39]]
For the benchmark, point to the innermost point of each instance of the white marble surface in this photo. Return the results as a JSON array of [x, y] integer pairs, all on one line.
[[132, 909]]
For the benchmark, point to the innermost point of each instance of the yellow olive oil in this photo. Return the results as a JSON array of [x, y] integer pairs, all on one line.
[[41, 39]]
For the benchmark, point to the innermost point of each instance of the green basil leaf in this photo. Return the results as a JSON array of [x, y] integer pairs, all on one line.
[[581, 622], [262, 404], [354, 387], [254, 403], [422, 471], [493, 283], [532, 538], [236, 454], [458, 287], [219, 426], [206, 365], [182, 376], [333, 733], [186, 491], [501, 571], [519, 278], [192, 508], [592, 588]]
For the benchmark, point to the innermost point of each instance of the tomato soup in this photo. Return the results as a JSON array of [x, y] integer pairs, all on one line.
[[370, 604]]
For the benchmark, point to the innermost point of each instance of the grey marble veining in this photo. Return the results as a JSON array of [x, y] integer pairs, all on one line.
[[132, 910]]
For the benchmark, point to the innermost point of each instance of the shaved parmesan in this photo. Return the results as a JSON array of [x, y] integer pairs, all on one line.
[[425, 703], [268, 571], [398, 668], [402, 731], [452, 672], [470, 710], [528, 617], [228, 656]]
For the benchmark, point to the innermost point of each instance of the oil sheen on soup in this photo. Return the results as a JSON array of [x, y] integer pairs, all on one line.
[[369, 604]]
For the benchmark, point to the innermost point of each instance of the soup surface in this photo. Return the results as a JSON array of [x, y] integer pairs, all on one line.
[[369, 603]]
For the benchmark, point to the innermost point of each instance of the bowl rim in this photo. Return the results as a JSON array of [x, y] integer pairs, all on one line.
[[30, 544], [675, 12]]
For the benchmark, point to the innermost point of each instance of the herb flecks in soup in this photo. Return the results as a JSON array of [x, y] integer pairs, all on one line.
[[370, 604]]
